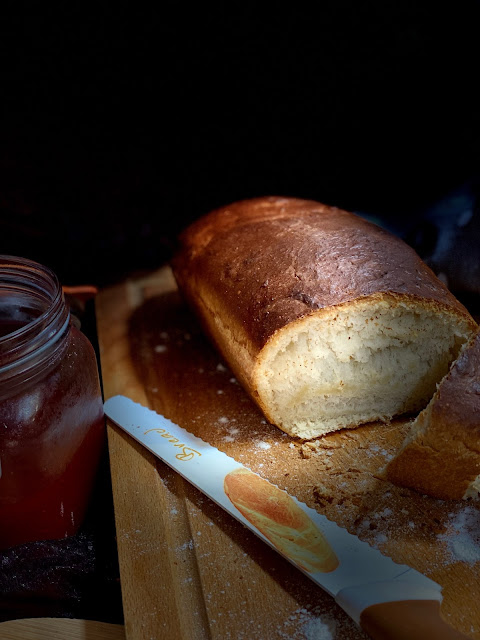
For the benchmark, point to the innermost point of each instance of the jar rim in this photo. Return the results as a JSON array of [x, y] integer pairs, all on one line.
[[26, 348]]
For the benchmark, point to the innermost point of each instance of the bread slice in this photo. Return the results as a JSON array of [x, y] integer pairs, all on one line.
[[441, 455], [326, 319]]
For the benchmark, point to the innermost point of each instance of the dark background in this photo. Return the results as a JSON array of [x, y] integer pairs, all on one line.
[[119, 125]]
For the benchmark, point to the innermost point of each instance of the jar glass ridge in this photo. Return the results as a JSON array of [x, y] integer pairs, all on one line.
[[34, 321]]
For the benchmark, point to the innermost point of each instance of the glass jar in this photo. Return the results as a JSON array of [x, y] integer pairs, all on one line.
[[52, 427]]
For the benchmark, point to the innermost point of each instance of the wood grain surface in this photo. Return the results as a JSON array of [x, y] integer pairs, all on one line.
[[60, 629], [188, 570]]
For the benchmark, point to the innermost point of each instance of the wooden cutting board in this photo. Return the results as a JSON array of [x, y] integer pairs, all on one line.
[[188, 570]]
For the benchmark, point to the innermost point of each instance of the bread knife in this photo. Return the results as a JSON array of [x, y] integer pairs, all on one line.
[[388, 600]]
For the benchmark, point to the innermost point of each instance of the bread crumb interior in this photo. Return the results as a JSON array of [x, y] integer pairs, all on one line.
[[347, 366]]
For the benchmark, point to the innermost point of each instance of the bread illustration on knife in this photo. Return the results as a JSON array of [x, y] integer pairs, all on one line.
[[281, 520]]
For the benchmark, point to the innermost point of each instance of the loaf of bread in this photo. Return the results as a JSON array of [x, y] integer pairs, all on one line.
[[441, 454], [327, 320], [281, 520]]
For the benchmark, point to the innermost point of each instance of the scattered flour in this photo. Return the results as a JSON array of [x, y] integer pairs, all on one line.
[[317, 629], [186, 545], [262, 445], [160, 348], [374, 449], [310, 624], [384, 514], [378, 540], [463, 536], [232, 432]]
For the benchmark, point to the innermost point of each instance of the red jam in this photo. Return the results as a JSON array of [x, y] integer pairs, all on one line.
[[51, 413]]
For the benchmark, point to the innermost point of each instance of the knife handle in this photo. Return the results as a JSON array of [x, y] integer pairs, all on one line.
[[398, 610], [407, 620]]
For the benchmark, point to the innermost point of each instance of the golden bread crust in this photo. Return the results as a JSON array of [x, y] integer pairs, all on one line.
[[269, 261]]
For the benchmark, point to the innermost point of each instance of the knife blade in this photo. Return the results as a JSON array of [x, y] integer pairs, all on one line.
[[386, 599]]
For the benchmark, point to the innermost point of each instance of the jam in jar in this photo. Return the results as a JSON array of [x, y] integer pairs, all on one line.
[[51, 412]]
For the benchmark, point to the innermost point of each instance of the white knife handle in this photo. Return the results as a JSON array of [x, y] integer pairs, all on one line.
[[397, 610]]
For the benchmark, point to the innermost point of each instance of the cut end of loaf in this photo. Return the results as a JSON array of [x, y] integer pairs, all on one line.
[[356, 363], [440, 456], [432, 465]]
